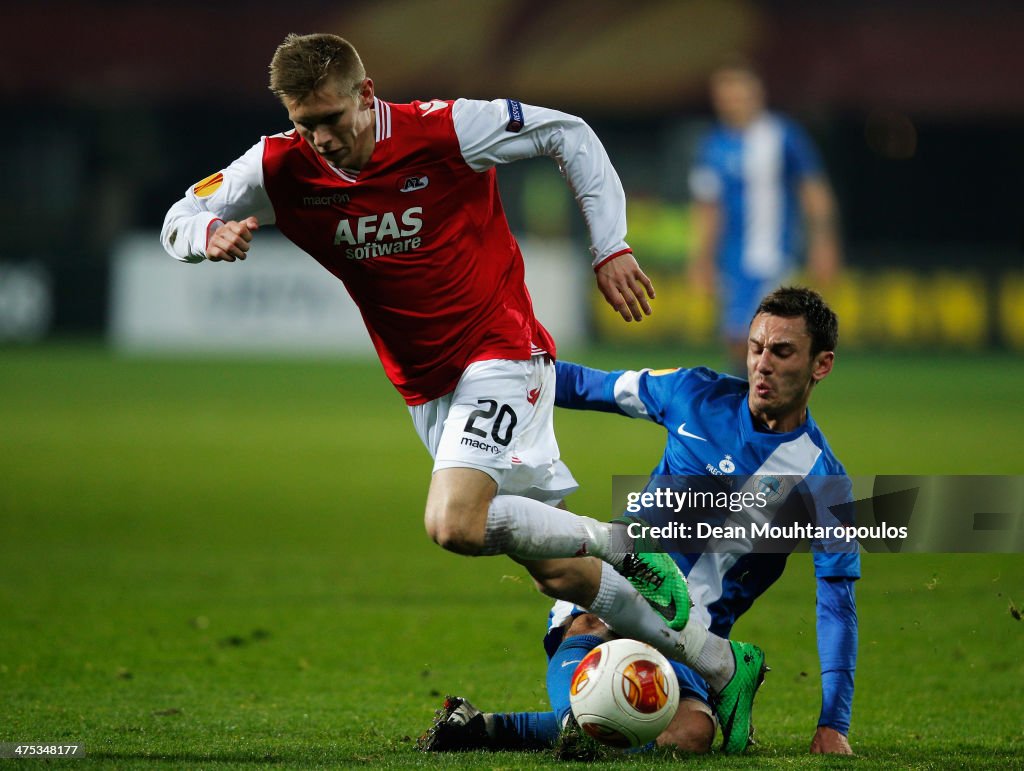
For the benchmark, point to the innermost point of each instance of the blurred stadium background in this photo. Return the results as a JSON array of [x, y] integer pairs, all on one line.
[[208, 557], [915, 106]]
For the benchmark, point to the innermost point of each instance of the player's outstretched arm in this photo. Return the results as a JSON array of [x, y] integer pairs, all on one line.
[[623, 391], [229, 241], [702, 274], [824, 258], [583, 388], [625, 287], [836, 611], [828, 741], [504, 131]]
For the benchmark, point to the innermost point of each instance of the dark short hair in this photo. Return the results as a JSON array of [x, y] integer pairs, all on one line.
[[789, 302]]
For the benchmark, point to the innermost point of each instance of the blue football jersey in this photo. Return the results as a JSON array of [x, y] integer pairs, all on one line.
[[754, 174], [710, 432]]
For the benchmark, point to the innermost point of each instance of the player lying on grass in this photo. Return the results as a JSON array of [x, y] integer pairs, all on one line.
[[761, 427], [400, 202]]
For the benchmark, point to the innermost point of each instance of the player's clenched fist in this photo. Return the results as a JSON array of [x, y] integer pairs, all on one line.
[[230, 240]]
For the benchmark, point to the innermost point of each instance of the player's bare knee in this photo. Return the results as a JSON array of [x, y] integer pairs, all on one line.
[[456, 512], [457, 529], [588, 624]]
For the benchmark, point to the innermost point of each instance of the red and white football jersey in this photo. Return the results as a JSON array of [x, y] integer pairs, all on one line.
[[418, 235]]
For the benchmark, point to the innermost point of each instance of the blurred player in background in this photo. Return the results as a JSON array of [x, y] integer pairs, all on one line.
[[400, 202], [762, 428], [761, 198]]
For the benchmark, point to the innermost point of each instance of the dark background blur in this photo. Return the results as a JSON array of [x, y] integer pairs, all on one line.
[[112, 109]]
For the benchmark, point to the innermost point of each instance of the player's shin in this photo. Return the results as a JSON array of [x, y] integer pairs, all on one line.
[[524, 730], [531, 530], [622, 607], [626, 611], [562, 667]]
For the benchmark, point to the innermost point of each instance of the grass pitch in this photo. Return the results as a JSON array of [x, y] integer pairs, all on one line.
[[221, 564]]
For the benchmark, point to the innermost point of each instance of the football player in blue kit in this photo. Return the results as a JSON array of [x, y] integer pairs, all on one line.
[[761, 201], [743, 428]]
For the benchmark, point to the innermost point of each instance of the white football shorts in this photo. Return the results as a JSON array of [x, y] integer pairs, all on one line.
[[500, 420]]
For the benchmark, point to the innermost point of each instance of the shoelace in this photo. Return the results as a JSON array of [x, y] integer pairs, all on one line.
[[634, 567]]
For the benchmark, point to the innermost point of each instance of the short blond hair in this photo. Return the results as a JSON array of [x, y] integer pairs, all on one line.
[[303, 63]]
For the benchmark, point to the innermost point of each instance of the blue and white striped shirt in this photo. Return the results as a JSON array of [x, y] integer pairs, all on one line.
[[754, 174], [710, 427]]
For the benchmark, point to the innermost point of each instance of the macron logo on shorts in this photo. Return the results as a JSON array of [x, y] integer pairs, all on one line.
[[516, 121]]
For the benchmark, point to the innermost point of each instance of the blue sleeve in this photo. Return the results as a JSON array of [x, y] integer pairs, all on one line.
[[583, 388], [634, 393], [705, 178], [837, 650], [802, 159], [703, 156], [831, 493]]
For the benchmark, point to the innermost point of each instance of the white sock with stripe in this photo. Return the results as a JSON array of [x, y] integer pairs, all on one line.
[[624, 609], [529, 529]]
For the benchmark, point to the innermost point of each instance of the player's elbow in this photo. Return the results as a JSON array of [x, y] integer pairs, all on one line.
[[170, 235]]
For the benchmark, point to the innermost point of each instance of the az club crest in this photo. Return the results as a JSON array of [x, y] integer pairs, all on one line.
[[409, 184]]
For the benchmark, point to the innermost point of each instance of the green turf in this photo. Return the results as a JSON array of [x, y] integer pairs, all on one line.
[[221, 564]]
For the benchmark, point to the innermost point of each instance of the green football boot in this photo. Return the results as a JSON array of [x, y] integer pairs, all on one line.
[[658, 579], [734, 705]]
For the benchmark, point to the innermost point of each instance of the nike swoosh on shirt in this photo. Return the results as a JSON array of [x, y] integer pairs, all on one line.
[[683, 432]]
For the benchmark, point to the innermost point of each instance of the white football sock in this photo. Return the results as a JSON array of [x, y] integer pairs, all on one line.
[[716, 664], [529, 529], [624, 609]]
